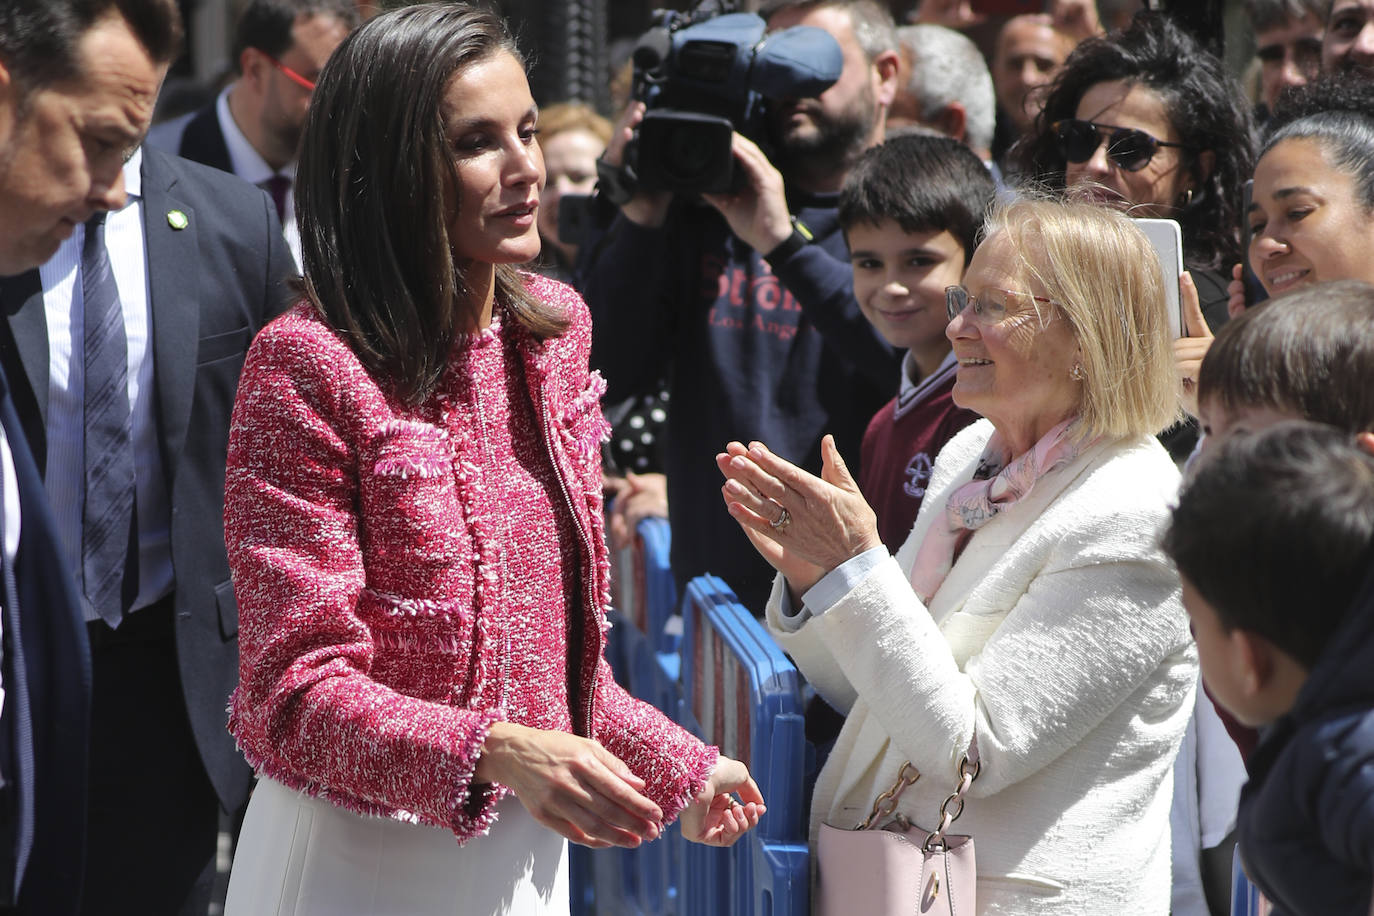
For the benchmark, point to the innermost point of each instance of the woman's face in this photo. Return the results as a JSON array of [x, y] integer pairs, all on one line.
[[1307, 224], [489, 121], [1014, 372], [1153, 191], [570, 161]]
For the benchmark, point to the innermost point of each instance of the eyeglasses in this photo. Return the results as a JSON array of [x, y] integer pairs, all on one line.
[[991, 305], [292, 75], [1128, 148]]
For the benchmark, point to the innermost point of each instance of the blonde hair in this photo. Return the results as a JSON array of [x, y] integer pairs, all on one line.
[[1104, 276], [562, 116]]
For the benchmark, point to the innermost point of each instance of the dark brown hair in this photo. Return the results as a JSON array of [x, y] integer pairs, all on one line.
[[266, 24], [1275, 531], [375, 192], [1310, 352], [1202, 102], [38, 38]]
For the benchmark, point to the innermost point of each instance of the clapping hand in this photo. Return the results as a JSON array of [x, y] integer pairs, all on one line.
[[802, 524]]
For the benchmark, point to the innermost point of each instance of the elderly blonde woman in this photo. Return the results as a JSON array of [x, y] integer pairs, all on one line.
[[1030, 609]]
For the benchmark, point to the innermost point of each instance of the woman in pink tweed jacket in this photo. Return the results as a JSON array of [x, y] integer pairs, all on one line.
[[414, 521]]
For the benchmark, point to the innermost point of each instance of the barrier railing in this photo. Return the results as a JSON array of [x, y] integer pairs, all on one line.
[[742, 694], [643, 586], [725, 679]]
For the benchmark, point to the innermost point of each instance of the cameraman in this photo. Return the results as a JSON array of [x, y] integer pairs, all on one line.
[[750, 299]]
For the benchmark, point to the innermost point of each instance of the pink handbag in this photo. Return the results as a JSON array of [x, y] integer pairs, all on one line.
[[900, 868]]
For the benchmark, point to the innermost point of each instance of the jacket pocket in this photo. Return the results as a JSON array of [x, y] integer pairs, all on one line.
[[218, 346], [421, 647], [414, 531]]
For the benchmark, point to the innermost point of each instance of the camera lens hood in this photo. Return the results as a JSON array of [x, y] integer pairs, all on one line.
[[796, 63]]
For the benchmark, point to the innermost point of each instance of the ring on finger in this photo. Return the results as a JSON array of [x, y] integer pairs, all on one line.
[[782, 521]]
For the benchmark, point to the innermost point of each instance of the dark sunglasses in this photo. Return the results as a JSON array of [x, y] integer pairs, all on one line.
[[1127, 148]]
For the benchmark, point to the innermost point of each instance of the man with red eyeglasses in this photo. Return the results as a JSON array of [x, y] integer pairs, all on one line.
[[253, 129]]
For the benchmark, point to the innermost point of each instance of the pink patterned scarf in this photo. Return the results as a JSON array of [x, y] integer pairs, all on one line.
[[998, 483]]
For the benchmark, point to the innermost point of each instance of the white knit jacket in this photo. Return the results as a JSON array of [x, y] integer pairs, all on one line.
[[1059, 641]]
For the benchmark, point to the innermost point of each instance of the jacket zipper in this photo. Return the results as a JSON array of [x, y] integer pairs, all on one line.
[[588, 552]]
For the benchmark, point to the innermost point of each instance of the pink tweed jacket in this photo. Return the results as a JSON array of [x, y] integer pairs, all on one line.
[[363, 576]]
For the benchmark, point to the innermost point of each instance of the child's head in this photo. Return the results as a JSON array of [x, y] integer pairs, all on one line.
[[1307, 355], [912, 210], [1273, 538]]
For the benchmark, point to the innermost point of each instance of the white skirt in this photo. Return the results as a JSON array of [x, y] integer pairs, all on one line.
[[303, 856]]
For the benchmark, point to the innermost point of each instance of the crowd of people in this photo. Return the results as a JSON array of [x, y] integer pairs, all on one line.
[[304, 401]]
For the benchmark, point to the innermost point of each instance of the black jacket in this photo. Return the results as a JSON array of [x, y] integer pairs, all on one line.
[[1306, 823]]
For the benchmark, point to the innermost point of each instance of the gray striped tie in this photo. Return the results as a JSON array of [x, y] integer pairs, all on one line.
[[107, 514]]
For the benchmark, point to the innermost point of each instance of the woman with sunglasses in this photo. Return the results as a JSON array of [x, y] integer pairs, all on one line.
[[1030, 615], [1148, 121]]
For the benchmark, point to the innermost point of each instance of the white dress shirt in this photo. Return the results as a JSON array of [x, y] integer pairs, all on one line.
[[65, 473], [252, 168], [10, 499]]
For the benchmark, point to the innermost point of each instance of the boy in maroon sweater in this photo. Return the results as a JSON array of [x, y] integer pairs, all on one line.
[[911, 210]]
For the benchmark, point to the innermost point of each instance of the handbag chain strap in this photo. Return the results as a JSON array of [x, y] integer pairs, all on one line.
[[884, 804], [950, 809], [953, 806]]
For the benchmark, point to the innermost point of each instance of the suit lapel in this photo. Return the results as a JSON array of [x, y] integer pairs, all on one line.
[[21, 297], [173, 293]]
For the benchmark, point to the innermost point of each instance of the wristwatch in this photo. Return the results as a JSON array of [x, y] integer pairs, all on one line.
[[801, 237]]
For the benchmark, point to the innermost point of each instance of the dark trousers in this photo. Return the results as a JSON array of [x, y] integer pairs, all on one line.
[[153, 822]]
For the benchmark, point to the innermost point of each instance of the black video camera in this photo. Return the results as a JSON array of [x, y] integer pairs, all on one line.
[[703, 76]]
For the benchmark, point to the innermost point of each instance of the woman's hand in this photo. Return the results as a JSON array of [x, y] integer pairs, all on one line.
[[1189, 350], [1235, 292], [826, 520], [571, 785], [716, 818]]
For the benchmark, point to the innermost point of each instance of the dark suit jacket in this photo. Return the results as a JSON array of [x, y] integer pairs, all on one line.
[[47, 679], [203, 141], [212, 285]]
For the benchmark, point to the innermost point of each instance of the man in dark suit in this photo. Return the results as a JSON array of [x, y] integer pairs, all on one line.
[[164, 637], [253, 128], [78, 79]]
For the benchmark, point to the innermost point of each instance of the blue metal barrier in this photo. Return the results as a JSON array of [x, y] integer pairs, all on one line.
[[742, 694], [733, 687], [659, 587], [643, 588]]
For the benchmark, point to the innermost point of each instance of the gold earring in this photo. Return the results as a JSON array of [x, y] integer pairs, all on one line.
[[1077, 373]]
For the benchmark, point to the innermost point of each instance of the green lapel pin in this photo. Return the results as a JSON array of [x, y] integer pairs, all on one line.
[[177, 220]]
